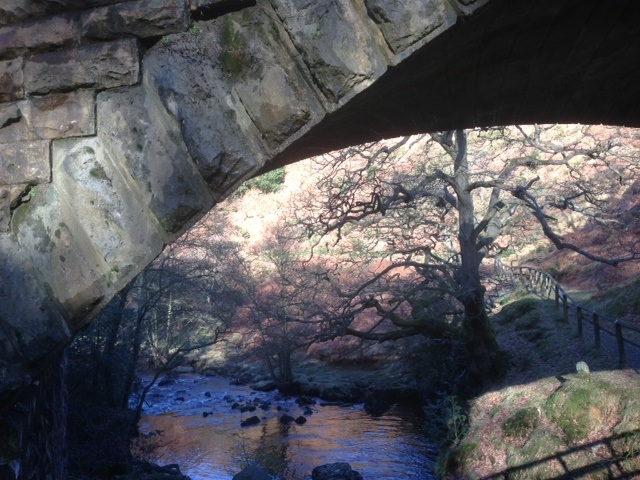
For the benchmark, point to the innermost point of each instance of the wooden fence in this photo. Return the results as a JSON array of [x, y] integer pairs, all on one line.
[[545, 284]]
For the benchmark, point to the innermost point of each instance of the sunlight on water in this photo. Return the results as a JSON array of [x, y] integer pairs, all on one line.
[[390, 447]]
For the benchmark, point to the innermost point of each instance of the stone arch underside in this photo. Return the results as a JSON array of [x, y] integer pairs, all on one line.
[[110, 149]]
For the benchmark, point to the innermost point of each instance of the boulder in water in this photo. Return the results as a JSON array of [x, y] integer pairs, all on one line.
[[166, 381], [304, 400], [264, 386], [286, 418], [250, 421], [335, 471], [376, 404]]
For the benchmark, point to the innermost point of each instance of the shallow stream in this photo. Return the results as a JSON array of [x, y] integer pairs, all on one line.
[[201, 432]]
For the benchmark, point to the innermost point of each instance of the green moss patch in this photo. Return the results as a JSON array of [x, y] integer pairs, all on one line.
[[580, 407], [521, 423], [523, 311], [234, 57]]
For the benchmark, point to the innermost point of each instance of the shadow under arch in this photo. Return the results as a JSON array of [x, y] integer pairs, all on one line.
[[512, 62]]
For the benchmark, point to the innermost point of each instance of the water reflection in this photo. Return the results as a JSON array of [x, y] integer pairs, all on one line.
[[216, 447]]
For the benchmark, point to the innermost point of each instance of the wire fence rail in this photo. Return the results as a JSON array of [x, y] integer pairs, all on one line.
[[624, 333]]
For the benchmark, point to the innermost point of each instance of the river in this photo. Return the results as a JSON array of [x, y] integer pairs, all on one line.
[[201, 432]]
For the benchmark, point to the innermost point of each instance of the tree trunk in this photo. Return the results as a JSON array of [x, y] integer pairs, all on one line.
[[486, 358], [482, 346], [286, 370]]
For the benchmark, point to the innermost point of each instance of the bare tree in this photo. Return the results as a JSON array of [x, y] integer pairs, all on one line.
[[287, 301], [415, 218]]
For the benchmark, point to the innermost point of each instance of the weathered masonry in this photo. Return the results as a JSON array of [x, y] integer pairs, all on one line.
[[123, 122]]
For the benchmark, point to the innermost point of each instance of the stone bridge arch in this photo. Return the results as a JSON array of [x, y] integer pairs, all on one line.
[[123, 122]]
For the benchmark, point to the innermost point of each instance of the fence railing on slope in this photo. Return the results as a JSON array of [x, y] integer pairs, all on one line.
[[545, 284]]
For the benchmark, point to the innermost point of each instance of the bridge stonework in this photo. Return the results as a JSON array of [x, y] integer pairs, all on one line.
[[123, 122]]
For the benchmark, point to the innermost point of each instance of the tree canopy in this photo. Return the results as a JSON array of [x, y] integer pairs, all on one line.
[[416, 219]]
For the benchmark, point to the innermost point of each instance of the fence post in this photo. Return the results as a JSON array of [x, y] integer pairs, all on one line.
[[620, 339], [579, 313], [596, 329], [565, 308], [557, 295]]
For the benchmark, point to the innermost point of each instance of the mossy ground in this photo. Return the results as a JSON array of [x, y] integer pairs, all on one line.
[[545, 420]]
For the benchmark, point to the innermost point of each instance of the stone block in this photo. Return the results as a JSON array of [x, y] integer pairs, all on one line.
[[336, 44], [11, 81], [14, 11], [147, 145], [42, 35], [146, 18], [403, 24], [73, 273], [25, 163], [238, 68], [58, 115], [104, 65], [273, 105], [113, 214]]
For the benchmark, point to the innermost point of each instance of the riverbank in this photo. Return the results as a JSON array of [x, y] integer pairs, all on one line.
[[213, 429], [410, 374], [564, 410], [543, 420]]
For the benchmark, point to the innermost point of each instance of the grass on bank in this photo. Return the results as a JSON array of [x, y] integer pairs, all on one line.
[[545, 420]]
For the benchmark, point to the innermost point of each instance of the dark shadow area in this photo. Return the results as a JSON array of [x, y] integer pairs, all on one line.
[[219, 8]]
